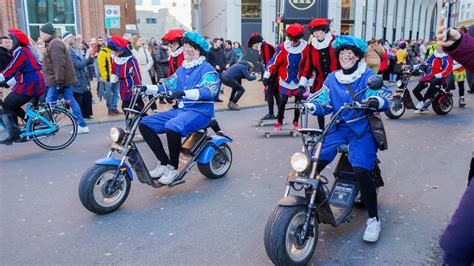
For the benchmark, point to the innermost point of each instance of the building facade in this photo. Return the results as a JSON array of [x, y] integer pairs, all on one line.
[[76, 16], [383, 19], [156, 17]]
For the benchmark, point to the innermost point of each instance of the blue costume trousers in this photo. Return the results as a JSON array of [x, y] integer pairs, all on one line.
[[362, 149], [177, 120]]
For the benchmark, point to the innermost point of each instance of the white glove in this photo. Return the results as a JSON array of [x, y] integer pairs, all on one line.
[[114, 78], [11, 82], [311, 106], [438, 76]]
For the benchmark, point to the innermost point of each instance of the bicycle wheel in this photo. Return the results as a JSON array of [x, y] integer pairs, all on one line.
[[62, 136]]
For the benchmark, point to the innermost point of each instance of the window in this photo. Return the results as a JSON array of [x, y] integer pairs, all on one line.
[[151, 21], [462, 12], [251, 9], [138, 20], [138, 2], [155, 2], [404, 18], [347, 17]]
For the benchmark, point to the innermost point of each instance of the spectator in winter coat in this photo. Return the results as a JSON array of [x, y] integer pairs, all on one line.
[[233, 76], [5, 57], [143, 57], [81, 89], [229, 55], [238, 51], [106, 66], [162, 59], [59, 73], [216, 58]]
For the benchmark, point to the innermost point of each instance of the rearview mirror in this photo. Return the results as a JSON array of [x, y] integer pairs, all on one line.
[[375, 82]]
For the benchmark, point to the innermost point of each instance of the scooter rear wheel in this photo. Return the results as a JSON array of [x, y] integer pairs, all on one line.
[[218, 166], [280, 236], [443, 104], [98, 194]]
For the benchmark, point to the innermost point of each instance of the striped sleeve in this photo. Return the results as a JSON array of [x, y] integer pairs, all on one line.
[[135, 69], [14, 66], [272, 64]]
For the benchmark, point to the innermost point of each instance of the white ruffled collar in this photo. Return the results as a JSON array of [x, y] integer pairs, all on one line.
[[322, 45], [295, 49], [177, 52], [195, 62], [121, 60], [439, 55], [348, 79]]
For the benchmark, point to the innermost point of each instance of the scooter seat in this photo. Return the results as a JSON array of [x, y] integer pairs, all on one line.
[[343, 148]]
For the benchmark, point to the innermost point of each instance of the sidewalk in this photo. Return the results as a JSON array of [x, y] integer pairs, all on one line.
[[252, 97]]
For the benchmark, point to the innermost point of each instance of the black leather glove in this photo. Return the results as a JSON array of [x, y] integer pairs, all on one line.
[[301, 90], [373, 103], [4, 85], [176, 94], [265, 82]]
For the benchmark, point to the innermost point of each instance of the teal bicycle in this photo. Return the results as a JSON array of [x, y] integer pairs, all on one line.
[[50, 125]]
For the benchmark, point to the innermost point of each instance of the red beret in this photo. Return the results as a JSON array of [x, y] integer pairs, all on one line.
[[295, 30], [121, 42], [20, 36], [173, 35], [318, 22]]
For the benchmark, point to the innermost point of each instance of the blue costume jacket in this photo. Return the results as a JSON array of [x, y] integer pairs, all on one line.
[[353, 126], [200, 82]]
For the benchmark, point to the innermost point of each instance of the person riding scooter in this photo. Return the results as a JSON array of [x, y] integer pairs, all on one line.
[[197, 83], [440, 65], [339, 88]]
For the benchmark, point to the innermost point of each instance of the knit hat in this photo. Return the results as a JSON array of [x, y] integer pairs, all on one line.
[[255, 38], [66, 35], [48, 28]]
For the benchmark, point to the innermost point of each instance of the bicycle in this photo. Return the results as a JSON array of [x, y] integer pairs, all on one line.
[[50, 125]]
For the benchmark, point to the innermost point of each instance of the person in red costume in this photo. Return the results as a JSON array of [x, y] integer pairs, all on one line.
[[175, 38], [288, 63], [321, 59]]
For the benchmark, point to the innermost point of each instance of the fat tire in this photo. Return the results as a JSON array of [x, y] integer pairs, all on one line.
[[275, 235], [437, 108], [389, 113], [206, 169], [86, 189], [38, 141]]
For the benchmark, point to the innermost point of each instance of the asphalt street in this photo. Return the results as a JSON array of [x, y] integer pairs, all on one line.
[[221, 222]]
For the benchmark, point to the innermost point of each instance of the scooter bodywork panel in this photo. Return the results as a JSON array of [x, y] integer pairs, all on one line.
[[206, 155], [116, 162], [293, 200]]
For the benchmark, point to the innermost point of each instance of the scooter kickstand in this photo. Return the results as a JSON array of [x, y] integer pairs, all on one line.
[[350, 217], [178, 182]]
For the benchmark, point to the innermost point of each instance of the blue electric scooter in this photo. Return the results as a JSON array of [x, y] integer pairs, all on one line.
[[104, 187]]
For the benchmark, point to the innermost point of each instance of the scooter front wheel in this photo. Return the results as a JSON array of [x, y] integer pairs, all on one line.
[[283, 244], [396, 108], [97, 191], [218, 166]]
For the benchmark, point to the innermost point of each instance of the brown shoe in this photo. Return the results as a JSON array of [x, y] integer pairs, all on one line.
[[117, 112], [112, 113]]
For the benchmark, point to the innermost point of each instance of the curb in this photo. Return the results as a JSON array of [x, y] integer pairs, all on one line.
[[222, 109]]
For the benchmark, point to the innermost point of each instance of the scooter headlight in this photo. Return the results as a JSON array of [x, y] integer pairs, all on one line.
[[399, 83], [117, 134], [299, 161]]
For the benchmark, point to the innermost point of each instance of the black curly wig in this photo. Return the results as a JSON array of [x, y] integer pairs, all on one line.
[[357, 51], [324, 28]]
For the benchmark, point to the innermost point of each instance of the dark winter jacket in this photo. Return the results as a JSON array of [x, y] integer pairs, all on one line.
[[230, 56], [216, 57], [5, 58], [161, 57], [458, 239], [238, 72], [80, 66], [58, 69]]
